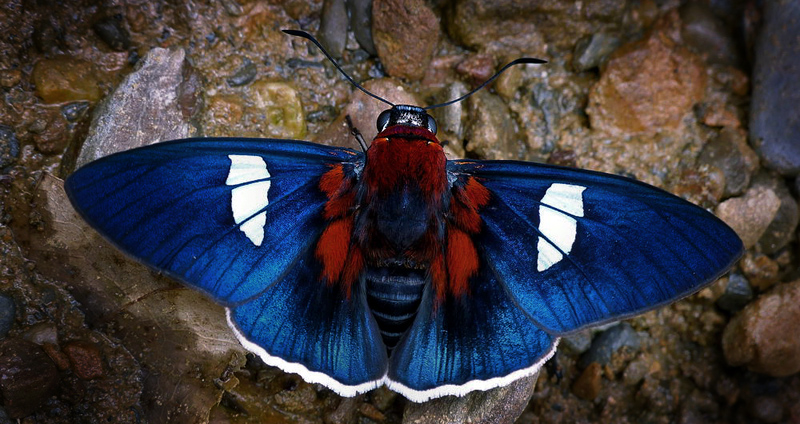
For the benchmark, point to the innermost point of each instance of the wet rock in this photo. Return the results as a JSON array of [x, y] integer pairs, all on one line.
[[589, 384], [86, 361], [730, 153], [66, 79], [27, 377], [74, 112], [707, 35], [333, 27], [146, 99], [112, 31], [244, 75], [736, 295], [9, 147], [774, 123], [590, 52], [750, 215], [406, 33], [361, 23], [490, 132], [764, 335], [450, 118], [8, 313], [608, 342], [647, 86], [500, 405]]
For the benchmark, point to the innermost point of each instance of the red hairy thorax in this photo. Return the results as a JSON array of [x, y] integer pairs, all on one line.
[[400, 156]]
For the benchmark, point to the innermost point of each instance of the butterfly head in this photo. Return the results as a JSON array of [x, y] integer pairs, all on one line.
[[409, 116]]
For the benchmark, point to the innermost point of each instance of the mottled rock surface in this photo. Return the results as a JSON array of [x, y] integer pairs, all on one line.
[[764, 335]]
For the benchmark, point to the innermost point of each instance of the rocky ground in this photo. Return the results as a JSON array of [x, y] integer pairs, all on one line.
[[697, 98]]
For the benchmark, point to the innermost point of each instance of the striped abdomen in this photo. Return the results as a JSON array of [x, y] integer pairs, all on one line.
[[393, 295]]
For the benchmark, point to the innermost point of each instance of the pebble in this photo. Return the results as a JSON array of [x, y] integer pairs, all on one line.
[[42, 333], [73, 112], [490, 132], [737, 294], [112, 31], [578, 342], [730, 153], [406, 33], [280, 106], [706, 34], [8, 313], [750, 215], [506, 27], [361, 23], [774, 124], [27, 377], [66, 79], [608, 342], [85, 360], [9, 147], [590, 52], [244, 75], [764, 336], [589, 383], [333, 27], [761, 271], [781, 230], [648, 85]]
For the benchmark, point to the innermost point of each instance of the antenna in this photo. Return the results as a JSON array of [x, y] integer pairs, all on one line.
[[485, 83], [311, 38]]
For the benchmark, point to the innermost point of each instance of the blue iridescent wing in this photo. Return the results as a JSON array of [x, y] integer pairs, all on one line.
[[576, 248], [474, 342], [238, 219]]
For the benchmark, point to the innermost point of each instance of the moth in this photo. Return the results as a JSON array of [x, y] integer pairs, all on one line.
[[393, 265]]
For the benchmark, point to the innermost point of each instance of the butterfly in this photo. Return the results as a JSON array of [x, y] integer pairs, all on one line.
[[394, 265]]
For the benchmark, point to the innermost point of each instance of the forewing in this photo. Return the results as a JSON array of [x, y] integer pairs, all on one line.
[[238, 219], [577, 248], [228, 216]]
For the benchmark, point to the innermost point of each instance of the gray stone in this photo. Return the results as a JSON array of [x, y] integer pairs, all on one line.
[[608, 342], [592, 51], [737, 294], [143, 110], [774, 120], [244, 75], [361, 23], [333, 27], [706, 34], [577, 342]]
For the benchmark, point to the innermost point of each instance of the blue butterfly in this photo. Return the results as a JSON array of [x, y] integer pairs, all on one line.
[[394, 266]]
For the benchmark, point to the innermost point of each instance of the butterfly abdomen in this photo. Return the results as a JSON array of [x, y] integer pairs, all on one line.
[[394, 292]]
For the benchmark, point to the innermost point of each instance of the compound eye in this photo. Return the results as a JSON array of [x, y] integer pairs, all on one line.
[[383, 119], [431, 124]]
